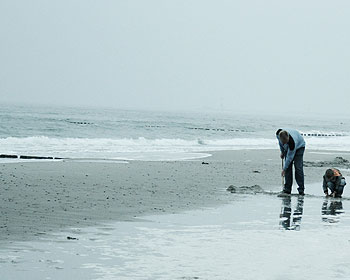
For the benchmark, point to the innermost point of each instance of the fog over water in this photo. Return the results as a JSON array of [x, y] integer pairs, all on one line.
[[236, 56]]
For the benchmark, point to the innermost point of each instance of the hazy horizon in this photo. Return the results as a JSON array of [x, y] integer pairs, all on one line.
[[268, 57]]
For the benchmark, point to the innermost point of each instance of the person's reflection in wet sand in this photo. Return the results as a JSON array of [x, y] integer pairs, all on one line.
[[331, 211], [291, 220]]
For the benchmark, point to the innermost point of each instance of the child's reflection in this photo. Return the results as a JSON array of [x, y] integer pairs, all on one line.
[[331, 211], [291, 220]]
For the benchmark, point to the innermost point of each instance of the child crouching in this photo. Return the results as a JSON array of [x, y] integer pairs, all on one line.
[[334, 181]]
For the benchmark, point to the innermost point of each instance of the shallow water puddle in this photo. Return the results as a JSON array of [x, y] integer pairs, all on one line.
[[254, 237]]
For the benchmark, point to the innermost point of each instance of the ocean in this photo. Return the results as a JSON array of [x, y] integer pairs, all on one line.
[[115, 134], [169, 220]]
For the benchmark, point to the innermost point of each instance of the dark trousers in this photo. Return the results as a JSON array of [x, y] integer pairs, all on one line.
[[298, 162], [288, 220], [337, 189]]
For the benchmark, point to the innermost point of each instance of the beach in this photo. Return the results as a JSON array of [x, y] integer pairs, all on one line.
[[142, 140], [108, 220], [41, 197]]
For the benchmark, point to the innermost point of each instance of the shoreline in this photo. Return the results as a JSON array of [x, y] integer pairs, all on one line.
[[5, 159], [43, 197]]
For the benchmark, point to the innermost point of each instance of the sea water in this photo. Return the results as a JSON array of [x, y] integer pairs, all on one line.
[[102, 133], [255, 237]]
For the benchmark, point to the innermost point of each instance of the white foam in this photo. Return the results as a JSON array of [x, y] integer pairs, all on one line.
[[149, 149], [126, 149], [17, 160]]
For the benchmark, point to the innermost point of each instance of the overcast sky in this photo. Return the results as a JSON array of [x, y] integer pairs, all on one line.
[[265, 56]]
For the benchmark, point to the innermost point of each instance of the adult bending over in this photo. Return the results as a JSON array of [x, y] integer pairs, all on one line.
[[292, 146]]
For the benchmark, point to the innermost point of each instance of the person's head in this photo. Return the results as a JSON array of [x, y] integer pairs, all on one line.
[[284, 136], [329, 174]]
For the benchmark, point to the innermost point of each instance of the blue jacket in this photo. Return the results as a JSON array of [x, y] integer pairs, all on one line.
[[296, 141]]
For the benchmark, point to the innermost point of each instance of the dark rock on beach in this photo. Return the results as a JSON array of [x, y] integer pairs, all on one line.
[[27, 157], [35, 157], [337, 162], [8, 156], [245, 189], [72, 238]]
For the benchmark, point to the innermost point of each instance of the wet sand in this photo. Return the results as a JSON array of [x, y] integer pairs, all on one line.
[[43, 197], [252, 237], [79, 220]]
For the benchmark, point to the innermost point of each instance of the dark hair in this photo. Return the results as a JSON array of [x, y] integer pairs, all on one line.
[[329, 173], [278, 131], [283, 134]]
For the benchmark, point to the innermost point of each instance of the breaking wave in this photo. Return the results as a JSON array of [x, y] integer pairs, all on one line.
[[149, 149]]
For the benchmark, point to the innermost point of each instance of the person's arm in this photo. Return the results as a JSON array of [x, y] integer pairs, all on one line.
[[289, 158], [281, 148], [325, 188]]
